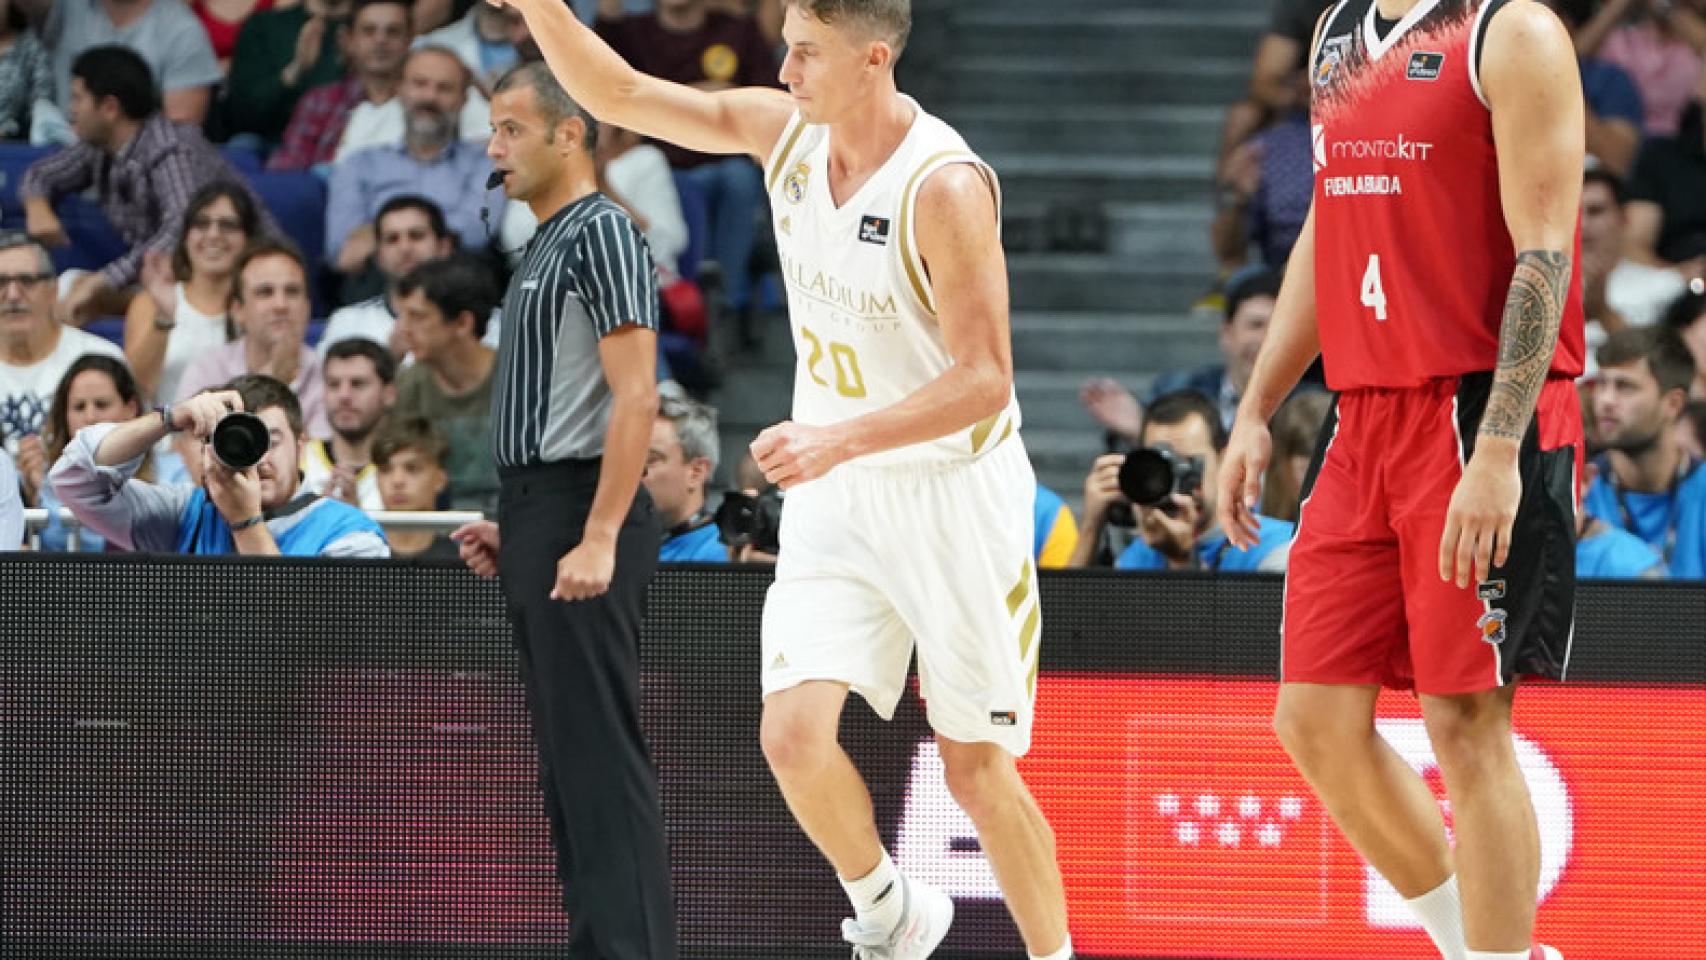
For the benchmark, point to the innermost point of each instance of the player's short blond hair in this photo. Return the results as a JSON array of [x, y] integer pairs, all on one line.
[[889, 19]]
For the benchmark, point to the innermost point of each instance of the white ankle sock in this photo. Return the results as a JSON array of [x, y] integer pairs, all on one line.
[[1492, 955], [877, 896], [1441, 913], [1064, 953]]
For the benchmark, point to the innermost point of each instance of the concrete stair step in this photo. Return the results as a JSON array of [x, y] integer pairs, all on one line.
[[1110, 129], [1116, 34], [1105, 177], [1201, 81], [1092, 282], [1110, 343], [1173, 235]]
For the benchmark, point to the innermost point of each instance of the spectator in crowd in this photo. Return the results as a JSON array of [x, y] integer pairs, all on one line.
[[96, 389], [1605, 552], [1180, 534], [1646, 484], [1667, 207], [483, 39], [636, 175], [431, 161], [360, 378], [282, 53], [442, 78], [1281, 54], [35, 348], [686, 42], [144, 168], [1616, 291], [409, 231], [223, 21], [163, 33], [443, 307], [1250, 303], [26, 73], [410, 455], [1658, 43], [1687, 316], [11, 506], [376, 44], [1266, 187], [1296, 433], [1613, 112], [269, 305], [181, 312], [259, 511], [680, 463], [1056, 530]]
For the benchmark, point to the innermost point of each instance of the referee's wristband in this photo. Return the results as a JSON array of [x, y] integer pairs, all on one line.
[[246, 524]]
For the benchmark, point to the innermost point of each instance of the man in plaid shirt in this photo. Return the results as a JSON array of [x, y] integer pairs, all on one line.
[[379, 42], [143, 166]]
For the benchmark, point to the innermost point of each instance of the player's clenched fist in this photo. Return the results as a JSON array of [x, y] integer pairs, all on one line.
[[791, 453]]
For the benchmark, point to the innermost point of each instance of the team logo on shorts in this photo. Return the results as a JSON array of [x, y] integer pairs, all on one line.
[[1492, 624], [1425, 66], [1004, 718], [1490, 590], [794, 185]]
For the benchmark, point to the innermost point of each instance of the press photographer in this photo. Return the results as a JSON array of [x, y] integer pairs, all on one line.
[[750, 523], [1166, 491], [251, 433]]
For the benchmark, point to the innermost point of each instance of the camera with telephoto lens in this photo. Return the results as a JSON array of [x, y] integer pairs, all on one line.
[[755, 519], [1151, 476], [240, 440]]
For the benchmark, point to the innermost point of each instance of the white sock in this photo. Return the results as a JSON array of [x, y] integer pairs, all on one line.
[[877, 896], [1441, 913], [1492, 955], [1064, 953]]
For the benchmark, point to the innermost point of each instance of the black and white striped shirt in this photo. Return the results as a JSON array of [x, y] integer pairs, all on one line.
[[586, 273]]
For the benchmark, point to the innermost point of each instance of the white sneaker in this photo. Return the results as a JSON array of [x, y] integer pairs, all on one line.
[[925, 915]]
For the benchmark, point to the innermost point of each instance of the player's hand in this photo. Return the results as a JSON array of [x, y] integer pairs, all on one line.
[[1102, 487], [790, 453], [1242, 467], [478, 543], [585, 571], [1483, 509], [1171, 533]]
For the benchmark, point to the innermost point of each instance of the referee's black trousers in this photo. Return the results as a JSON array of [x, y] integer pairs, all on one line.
[[581, 665]]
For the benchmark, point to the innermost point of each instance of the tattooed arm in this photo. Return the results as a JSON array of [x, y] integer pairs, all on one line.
[[1533, 88]]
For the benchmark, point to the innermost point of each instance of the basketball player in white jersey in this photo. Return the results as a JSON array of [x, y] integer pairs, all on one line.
[[908, 518]]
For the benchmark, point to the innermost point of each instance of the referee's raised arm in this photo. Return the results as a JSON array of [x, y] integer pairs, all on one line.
[[573, 401], [746, 120]]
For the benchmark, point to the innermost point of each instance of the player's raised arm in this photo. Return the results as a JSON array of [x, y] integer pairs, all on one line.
[[748, 120]]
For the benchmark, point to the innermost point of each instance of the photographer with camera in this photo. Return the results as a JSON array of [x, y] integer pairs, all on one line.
[[1166, 489], [680, 462], [251, 437]]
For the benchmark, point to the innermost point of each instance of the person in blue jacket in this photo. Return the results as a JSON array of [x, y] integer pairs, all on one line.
[[1646, 484], [258, 511], [680, 462], [1181, 533]]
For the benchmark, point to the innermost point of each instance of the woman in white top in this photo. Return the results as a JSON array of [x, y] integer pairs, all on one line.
[[180, 313]]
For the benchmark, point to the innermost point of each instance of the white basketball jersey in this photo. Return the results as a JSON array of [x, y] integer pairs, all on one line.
[[859, 297]]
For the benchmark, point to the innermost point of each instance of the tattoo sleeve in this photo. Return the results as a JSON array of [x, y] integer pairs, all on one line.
[[1528, 335]]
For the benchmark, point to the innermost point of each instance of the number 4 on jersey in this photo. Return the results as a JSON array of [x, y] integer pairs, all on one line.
[[1373, 294]]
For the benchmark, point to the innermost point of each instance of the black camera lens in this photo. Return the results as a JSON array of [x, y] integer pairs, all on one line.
[[240, 440], [1146, 477]]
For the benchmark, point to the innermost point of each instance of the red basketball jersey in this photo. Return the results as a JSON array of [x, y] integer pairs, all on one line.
[[1412, 258]]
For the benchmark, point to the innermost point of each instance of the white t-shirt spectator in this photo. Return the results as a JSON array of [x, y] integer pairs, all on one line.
[[1642, 293], [11, 506], [195, 334], [383, 124], [27, 392], [641, 177], [372, 319]]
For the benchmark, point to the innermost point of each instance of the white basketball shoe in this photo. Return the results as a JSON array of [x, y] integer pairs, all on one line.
[[926, 914]]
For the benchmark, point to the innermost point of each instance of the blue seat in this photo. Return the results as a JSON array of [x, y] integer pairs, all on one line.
[[112, 328], [697, 212], [246, 162]]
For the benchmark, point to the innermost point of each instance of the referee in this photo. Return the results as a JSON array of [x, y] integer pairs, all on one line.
[[572, 412]]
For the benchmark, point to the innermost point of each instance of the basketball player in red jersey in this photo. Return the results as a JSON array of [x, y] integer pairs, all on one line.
[[1435, 546]]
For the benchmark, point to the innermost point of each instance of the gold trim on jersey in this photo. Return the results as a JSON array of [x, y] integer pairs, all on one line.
[[907, 252], [984, 428], [799, 127]]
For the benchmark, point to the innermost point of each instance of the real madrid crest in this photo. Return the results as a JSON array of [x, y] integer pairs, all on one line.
[[794, 185]]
